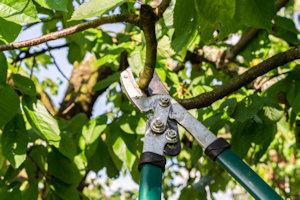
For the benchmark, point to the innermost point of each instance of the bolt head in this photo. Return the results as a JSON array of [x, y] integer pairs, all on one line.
[[157, 126], [171, 136], [164, 101]]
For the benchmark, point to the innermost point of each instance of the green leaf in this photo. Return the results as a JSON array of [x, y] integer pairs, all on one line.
[[212, 15], [248, 108], [24, 85], [191, 192], [31, 192], [164, 48], [255, 13], [9, 104], [75, 124], [107, 82], [9, 30], [285, 28], [3, 69], [93, 129], [136, 59], [99, 157], [94, 8], [272, 113], [62, 168], [109, 58], [67, 145], [14, 141], [63, 191], [60, 5], [38, 155], [20, 12], [42, 121], [296, 104], [252, 134], [120, 149], [185, 24]]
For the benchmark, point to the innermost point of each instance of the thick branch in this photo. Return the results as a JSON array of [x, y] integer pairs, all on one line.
[[147, 22], [208, 98], [79, 96], [130, 18]]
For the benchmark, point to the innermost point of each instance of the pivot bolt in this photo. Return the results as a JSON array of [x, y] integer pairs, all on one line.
[[164, 102], [157, 126], [171, 136]]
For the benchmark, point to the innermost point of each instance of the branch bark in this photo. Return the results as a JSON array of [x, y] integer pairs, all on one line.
[[147, 22], [206, 99], [130, 18], [79, 96]]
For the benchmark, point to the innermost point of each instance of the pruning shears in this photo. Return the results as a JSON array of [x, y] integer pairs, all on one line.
[[162, 139]]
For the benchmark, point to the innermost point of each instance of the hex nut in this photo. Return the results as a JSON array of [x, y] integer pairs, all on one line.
[[171, 136], [157, 126], [164, 101]]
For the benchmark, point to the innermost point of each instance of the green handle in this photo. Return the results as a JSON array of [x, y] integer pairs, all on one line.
[[151, 181], [246, 176]]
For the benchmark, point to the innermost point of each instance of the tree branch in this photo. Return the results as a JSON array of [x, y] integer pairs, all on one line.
[[208, 98], [162, 7], [56, 64], [130, 18], [232, 52], [27, 54], [147, 22]]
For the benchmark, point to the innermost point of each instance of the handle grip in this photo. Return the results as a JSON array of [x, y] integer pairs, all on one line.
[[151, 181], [243, 174]]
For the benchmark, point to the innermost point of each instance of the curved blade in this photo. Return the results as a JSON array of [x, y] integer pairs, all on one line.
[[156, 86], [129, 86]]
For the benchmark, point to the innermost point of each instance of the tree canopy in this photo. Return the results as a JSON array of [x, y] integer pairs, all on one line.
[[233, 63]]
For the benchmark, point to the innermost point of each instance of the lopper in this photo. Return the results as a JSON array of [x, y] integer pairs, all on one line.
[[162, 139]]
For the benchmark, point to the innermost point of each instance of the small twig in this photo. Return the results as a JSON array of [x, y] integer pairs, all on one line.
[[206, 99], [162, 7], [130, 18], [232, 52], [27, 54], [47, 19], [32, 67], [56, 64]]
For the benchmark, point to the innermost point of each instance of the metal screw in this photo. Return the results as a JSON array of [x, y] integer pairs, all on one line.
[[171, 136], [157, 126], [164, 101]]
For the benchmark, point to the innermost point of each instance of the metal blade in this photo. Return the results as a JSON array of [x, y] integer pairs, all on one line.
[[156, 86], [129, 86]]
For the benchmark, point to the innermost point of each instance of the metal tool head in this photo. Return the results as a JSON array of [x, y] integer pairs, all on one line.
[[156, 86], [141, 100], [157, 100]]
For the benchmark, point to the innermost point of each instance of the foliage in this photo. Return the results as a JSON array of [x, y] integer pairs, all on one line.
[[47, 152]]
